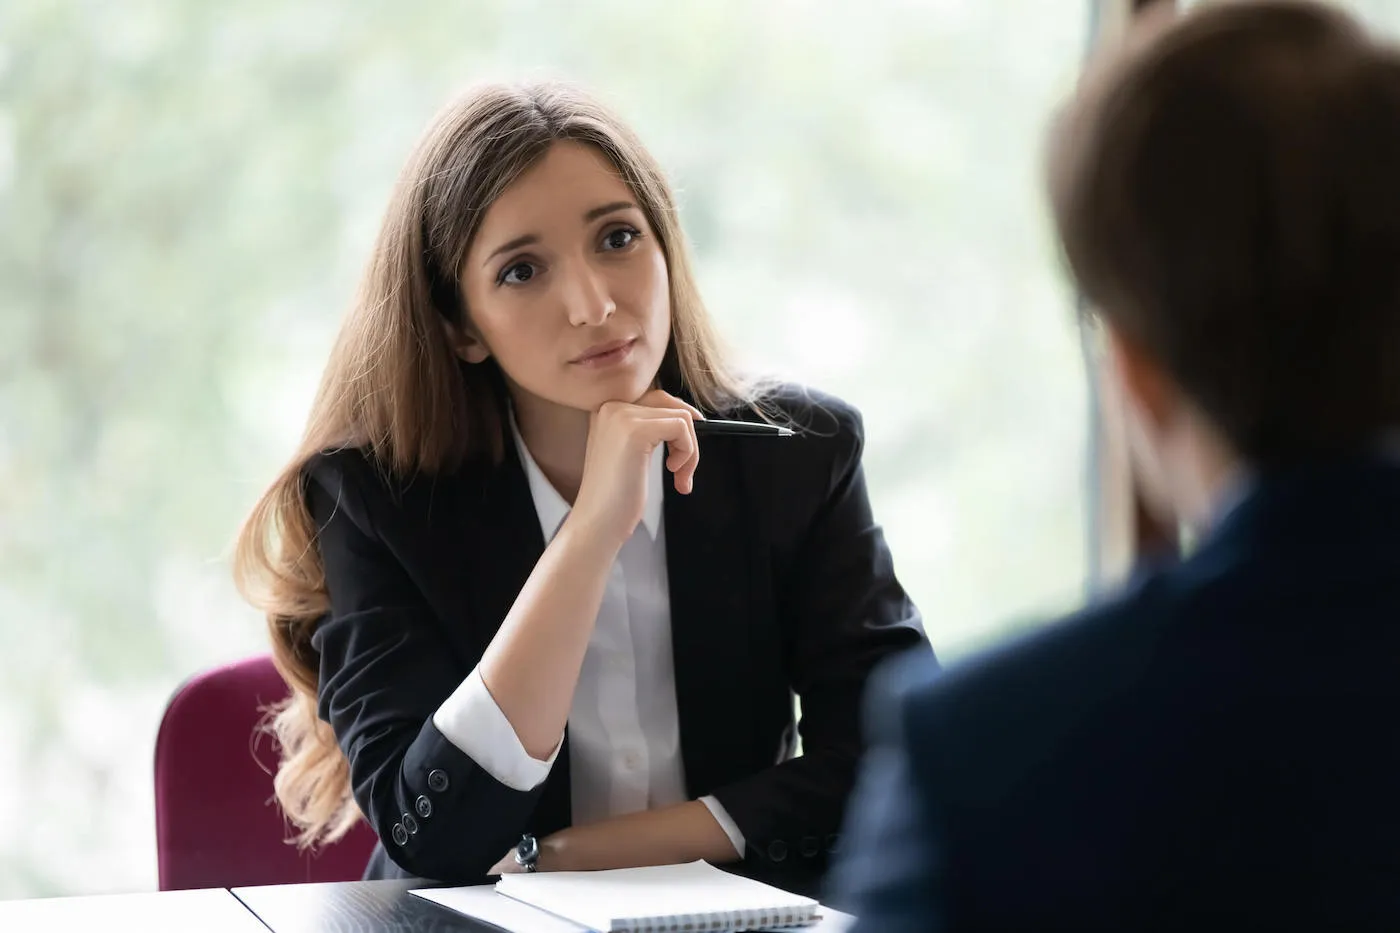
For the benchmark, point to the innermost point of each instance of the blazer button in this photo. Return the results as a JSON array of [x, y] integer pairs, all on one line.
[[437, 780], [424, 806], [400, 835], [809, 846], [833, 843], [410, 825], [777, 850]]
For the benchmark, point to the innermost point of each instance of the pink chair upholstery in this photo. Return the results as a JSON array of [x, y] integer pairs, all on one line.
[[217, 822]]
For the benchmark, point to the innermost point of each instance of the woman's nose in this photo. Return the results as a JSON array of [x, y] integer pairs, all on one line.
[[588, 299]]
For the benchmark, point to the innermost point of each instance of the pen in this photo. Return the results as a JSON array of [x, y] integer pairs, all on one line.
[[740, 428]]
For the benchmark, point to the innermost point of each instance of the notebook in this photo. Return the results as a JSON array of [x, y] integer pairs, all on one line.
[[689, 898]]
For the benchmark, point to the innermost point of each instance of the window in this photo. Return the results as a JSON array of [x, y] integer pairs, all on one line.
[[188, 195]]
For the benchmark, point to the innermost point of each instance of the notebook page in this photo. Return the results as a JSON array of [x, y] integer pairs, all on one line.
[[481, 902], [601, 900]]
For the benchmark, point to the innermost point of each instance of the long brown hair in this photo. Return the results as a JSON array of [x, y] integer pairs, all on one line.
[[394, 387]]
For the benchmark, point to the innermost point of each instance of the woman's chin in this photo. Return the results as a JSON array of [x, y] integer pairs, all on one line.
[[615, 387]]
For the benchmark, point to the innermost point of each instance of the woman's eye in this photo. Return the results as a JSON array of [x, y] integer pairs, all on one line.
[[621, 238], [518, 274]]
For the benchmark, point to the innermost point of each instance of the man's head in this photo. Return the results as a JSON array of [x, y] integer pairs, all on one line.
[[1226, 186]]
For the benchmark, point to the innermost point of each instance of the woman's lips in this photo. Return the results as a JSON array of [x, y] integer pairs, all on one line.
[[605, 354]]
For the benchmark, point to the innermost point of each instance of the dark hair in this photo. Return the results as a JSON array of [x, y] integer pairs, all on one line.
[[1227, 192]]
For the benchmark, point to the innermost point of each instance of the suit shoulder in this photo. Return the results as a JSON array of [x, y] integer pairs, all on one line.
[[361, 467], [362, 483], [819, 419], [1056, 672], [338, 466], [794, 481], [355, 476], [342, 482], [809, 410]]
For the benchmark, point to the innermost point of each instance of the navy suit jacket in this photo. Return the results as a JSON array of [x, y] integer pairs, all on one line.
[[1216, 748], [780, 582]]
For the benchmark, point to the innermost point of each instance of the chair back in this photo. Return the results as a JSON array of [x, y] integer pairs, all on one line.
[[218, 824]]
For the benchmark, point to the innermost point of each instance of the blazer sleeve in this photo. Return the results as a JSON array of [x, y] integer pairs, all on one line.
[[842, 612], [385, 668]]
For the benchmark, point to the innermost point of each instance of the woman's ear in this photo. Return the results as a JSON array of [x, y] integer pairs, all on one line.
[[466, 342], [1145, 383]]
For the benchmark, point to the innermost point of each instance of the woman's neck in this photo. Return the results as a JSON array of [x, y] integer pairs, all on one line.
[[557, 438]]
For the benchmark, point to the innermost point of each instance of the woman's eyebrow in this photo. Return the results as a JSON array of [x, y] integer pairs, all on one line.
[[594, 213], [516, 243]]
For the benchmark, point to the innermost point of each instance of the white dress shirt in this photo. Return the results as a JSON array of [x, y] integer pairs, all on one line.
[[624, 732]]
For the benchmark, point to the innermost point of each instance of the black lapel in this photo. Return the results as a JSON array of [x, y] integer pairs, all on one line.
[[708, 561], [508, 543]]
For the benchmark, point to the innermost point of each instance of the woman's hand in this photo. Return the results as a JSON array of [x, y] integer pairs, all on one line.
[[531, 666], [621, 439]]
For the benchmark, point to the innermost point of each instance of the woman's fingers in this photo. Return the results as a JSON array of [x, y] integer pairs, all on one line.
[[684, 451], [659, 398], [683, 459], [685, 475], [675, 428]]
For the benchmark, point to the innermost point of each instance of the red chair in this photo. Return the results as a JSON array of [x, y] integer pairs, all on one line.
[[218, 824]]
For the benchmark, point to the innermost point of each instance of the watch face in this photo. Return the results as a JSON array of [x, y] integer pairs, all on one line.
[[527, 850]]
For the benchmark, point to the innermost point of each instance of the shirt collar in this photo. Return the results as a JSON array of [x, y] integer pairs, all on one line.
[[551, 507]]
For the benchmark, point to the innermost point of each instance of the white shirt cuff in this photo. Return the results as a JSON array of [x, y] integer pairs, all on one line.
[[722, 817], [471, 720]]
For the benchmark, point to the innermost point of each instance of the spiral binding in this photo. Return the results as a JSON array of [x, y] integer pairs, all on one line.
[[718, 921]]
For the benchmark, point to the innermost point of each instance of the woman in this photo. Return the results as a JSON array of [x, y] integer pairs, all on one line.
[[498, 615]]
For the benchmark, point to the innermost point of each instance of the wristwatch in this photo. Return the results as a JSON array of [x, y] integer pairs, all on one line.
[[527, 852]]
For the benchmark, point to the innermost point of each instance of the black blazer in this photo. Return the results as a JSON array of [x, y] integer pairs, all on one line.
[[1217, 748], [780, 582]]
